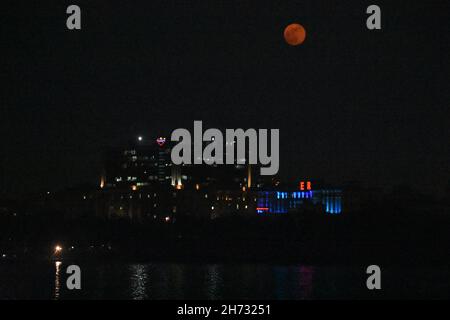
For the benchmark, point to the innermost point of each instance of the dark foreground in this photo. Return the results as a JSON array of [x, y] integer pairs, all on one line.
[[263, 258], [389, 239]]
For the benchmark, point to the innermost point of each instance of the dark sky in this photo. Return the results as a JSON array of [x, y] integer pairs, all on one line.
[[351, 104]]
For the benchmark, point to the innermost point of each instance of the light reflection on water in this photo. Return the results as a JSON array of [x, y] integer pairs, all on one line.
[[213, 282], [162, 281], [57, 290], [138, 281], [306, 282]]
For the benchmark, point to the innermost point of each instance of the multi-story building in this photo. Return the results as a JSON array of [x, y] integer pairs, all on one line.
[[138, 165], [140, 182]]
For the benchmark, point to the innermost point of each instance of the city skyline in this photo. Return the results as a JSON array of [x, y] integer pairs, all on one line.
[[347, 108]]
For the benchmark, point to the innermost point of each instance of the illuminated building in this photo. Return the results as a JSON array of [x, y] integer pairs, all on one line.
[[137, 165], [289, 200], [140, 182], [137, 182]]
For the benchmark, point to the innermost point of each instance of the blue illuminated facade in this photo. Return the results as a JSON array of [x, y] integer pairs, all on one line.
[[273, 202]]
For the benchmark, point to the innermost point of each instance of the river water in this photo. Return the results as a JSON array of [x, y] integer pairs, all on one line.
[[102, 280]]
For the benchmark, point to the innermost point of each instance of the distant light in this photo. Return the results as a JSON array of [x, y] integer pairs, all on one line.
[[134, 188], [58, 249], [140, 138], [167, 219]]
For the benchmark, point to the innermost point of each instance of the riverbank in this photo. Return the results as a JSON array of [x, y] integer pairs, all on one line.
[[327, 240]]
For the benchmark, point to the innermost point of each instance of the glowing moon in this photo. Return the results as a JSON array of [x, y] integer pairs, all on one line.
[[294, 34]]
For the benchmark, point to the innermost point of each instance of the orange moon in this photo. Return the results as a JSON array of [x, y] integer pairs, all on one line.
[[294, 34]]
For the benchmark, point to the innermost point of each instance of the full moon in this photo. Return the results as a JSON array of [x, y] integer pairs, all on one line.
[[294, 34]]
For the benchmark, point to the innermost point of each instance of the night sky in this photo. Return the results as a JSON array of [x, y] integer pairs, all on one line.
[[351, 104]]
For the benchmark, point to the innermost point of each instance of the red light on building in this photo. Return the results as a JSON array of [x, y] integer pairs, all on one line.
[[161, 141], [305, 185]]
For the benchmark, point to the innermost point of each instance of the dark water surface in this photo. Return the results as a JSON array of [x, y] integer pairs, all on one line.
[[102, 280]]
